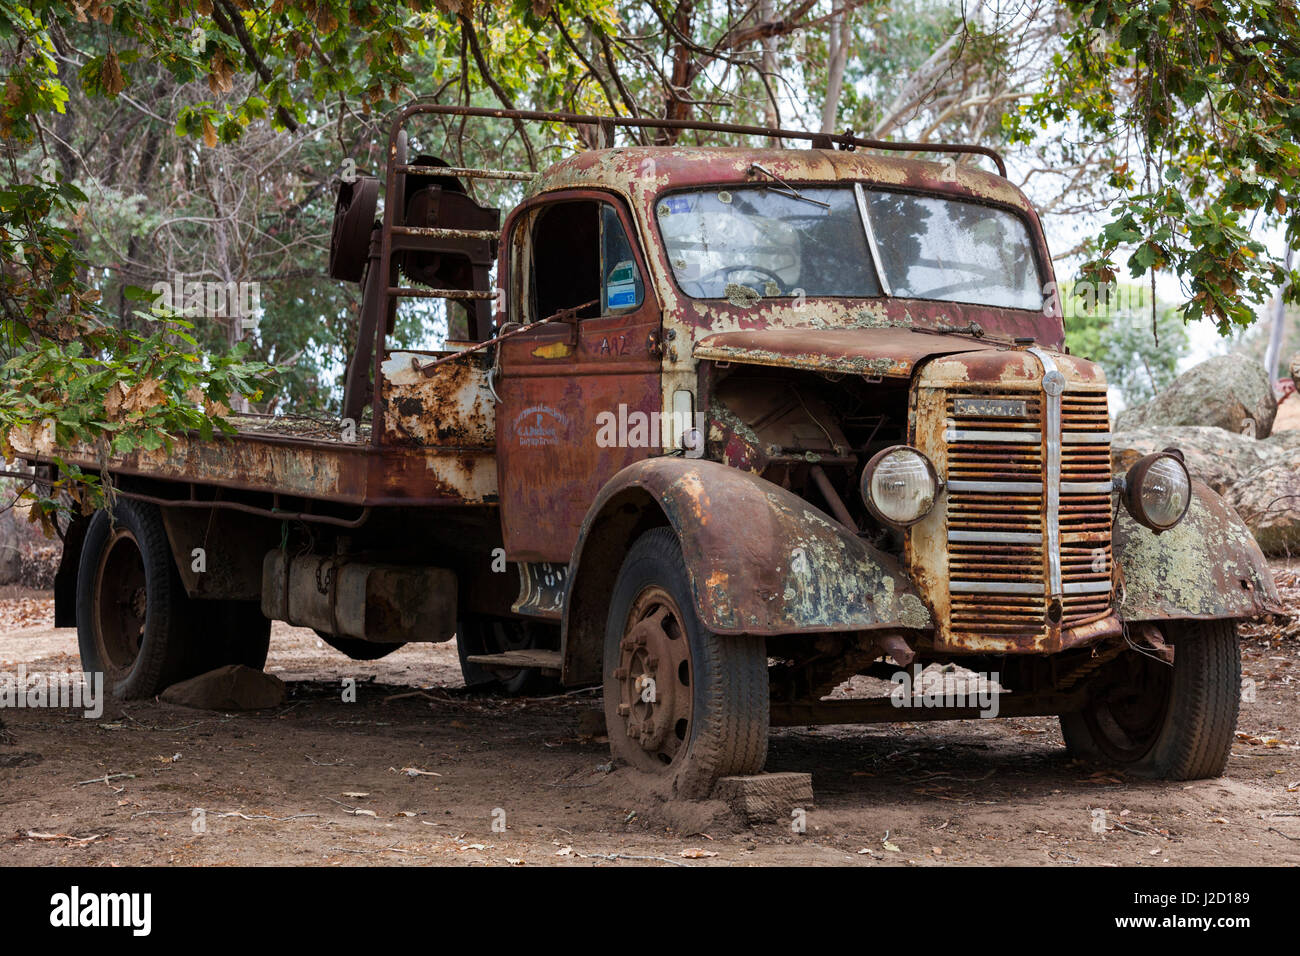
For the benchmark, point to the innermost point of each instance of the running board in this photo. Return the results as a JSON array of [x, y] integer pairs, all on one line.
[[517, 660]]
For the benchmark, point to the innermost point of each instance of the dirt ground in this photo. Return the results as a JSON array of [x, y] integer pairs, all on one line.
[[419, 771]]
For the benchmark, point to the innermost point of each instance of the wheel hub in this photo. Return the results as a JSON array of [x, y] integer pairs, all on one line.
[[654, 674], [120, 602]]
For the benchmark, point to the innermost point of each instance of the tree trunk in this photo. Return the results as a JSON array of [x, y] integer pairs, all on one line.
[[837, 58], [1278, 332]]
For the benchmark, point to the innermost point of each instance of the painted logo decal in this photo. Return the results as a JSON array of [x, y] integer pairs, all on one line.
[[539, 425]]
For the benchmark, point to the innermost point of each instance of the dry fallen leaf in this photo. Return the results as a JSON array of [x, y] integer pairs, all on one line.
[[695, 853]]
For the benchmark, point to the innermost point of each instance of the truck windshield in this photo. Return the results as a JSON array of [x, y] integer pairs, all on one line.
[[779, 242]]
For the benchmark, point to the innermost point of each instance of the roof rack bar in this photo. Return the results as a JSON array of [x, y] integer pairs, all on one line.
[[436, 232], [468, 172], [820, 140], [407, 292]]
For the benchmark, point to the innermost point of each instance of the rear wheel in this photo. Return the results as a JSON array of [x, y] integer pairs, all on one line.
[[131, 605], [497, 635], [135, 622], [681, 704], [1151, 719]]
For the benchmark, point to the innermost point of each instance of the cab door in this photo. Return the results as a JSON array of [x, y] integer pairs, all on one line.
[[579, 399]]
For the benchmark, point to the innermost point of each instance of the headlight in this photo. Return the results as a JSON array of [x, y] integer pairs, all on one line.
[[1158, 490], [899, 485]]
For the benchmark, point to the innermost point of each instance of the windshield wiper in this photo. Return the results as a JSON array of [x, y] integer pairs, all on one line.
[[789, 190]]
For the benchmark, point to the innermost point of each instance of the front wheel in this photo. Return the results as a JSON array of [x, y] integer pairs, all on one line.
[[682, 705], [1151, 719]]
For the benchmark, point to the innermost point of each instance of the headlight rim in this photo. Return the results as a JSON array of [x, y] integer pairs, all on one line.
[[1132, 493], [868, 470]]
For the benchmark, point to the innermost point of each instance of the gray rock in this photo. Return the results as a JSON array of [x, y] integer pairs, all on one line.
[[1228, 392], [1215, 456], [1268, 500], [233, 687], [1284, 444]]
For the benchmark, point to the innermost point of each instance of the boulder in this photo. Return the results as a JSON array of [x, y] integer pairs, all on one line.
[[1228, 392], [1268, 500], [1215, 456], [233, 687], [1284, 445], [1288, 415]]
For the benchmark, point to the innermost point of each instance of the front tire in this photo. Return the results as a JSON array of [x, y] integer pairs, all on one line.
[[1149, 719], [682, 705]]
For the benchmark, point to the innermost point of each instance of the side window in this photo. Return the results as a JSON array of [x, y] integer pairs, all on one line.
[[621, 288], [581, 254]]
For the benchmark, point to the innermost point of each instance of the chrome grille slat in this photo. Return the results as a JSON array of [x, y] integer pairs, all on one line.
[[1085, 515]]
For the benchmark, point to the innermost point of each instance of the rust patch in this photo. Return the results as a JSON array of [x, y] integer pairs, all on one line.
[[451, 407]]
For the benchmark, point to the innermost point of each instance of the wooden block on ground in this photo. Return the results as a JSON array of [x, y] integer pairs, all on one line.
[[766, 797], [591, 722]]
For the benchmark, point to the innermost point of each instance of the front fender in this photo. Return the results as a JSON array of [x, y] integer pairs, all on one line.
[[1207, 566], [761, 560]]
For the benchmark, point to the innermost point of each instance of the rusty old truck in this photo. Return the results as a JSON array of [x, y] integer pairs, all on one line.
[[717, 428]]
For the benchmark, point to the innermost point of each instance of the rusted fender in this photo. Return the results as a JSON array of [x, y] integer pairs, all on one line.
[[1207, 566], [760, 559]]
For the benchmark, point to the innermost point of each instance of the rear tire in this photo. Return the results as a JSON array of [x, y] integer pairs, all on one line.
[[495, 635], [682, 705], [135, 623], [131, 605], [1151, 720]]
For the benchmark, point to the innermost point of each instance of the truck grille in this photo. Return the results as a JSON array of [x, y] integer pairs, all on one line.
[[999, 567]]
